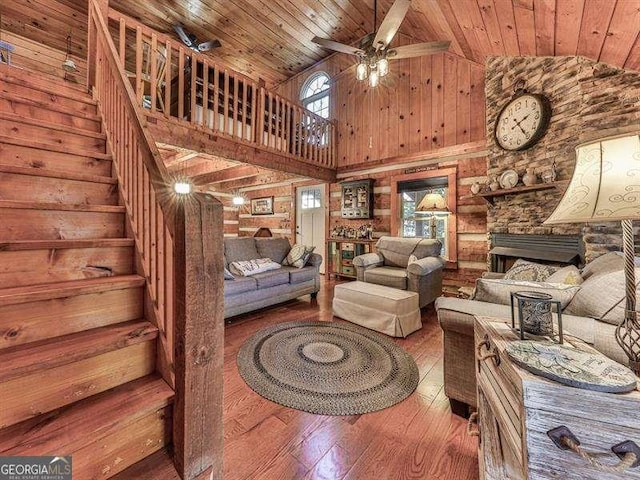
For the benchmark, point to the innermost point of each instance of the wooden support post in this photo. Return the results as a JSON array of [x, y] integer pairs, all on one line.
[[199, 334]]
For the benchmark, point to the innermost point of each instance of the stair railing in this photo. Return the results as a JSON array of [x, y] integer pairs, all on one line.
[[179, 246]]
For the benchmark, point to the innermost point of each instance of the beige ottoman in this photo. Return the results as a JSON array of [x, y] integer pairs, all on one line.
[[384, 309]]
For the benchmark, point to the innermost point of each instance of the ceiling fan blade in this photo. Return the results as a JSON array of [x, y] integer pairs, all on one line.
[[391, 23], [337, 47], [418, 49], [184, 36], [210, 45]]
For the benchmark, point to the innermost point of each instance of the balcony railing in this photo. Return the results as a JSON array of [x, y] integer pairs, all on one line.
[[176, 83]]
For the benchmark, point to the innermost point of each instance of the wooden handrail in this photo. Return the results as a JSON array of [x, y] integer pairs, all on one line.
[[195, 90], [179, 246]]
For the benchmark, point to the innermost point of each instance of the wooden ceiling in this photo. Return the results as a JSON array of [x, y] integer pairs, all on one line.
[[271, 39]]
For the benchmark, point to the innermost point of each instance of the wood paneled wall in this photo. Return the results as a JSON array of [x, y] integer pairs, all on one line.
[[425, 103], [279, 223], [38, 31]]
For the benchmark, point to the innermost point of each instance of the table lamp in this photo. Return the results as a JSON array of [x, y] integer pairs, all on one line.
[[433, 203], [606, 187]]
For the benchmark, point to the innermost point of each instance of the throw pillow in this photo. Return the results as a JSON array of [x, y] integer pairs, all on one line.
[[298, 256], [602, 297], [569, 275], [529, 271], [499, 291], [245, 268], [227, 274]]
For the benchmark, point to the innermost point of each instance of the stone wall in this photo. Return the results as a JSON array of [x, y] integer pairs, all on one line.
[[589, 100]]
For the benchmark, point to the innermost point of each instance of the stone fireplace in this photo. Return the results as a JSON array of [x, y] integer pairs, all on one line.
[[506, 248]]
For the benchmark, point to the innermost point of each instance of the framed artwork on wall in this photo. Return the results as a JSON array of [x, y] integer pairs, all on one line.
[[262, 206]]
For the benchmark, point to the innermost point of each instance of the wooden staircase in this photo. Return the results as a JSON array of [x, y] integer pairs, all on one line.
[[78, 372]]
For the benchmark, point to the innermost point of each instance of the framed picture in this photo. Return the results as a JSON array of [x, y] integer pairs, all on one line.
[[262, 206]]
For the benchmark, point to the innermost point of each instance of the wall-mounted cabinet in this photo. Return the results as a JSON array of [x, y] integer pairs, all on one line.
[[342, 251], [357, 199]]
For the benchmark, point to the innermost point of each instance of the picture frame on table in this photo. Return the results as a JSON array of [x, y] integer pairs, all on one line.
[[262, 206]]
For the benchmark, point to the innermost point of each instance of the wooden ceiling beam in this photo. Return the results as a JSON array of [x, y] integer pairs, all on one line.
[[266, 178], [228, 174]]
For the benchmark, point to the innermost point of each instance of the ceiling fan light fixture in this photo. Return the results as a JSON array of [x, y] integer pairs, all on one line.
[[383, 66], [362, 71], [374, 78]]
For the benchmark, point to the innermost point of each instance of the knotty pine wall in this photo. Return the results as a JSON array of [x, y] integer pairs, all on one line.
[[425, 103], [38, 31]]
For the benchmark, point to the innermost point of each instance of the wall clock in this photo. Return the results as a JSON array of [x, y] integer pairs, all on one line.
[[522, 121]]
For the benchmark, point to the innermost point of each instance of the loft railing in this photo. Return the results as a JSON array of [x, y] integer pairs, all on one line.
[[180, 85], [178, 242]]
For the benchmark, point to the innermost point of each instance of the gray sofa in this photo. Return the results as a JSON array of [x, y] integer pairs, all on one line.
[[390, 266], [245, 294], [589, 316]]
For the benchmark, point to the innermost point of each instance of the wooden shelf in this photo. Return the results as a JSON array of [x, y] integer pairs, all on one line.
[[488, 196]]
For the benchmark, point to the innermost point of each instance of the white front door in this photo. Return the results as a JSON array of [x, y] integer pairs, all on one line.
[[310, 219]]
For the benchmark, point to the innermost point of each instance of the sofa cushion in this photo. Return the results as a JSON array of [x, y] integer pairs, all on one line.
[[298, 255], [499, 291], [396, 251], [609, 262], [240, 248], [602, 296], [240, 285], [271, 279], [530, 271], [388, 276], [569, 275], [299, 275], [274, 248]]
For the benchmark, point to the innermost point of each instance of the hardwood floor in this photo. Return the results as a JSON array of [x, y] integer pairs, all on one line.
[[418, 438]]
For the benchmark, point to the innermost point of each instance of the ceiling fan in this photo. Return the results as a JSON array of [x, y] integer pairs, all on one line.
[[189, 39], [374, 52]]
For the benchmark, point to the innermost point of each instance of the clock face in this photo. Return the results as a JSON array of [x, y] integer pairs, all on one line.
[[522, 122]]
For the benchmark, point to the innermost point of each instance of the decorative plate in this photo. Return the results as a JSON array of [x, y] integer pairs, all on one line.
[[509, 179], [576, 368]]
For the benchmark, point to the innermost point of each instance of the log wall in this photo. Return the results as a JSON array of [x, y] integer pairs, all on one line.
[[38, 31], [589, 100], [279, 223]]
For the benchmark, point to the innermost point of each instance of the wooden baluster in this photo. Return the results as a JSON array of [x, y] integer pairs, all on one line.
[[300, 119], [146, 237], [153, 71], [245, 87], [225, 103], [139, 53], [181, 83], [122, 40], [289, 128], [160, 242], [167, 80], [216, 99], [278, 124], [205, 93], [270, 131], [260, 107], [194, 91], [236, 107]]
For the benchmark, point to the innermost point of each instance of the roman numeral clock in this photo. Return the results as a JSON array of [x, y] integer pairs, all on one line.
[[522, 121]]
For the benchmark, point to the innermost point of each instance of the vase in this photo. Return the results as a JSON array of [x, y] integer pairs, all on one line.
[[530, 177], [494, 185], [475, 188]]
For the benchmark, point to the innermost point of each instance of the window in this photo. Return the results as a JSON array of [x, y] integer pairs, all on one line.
[[315, 94], [311, 198], [415, 201]]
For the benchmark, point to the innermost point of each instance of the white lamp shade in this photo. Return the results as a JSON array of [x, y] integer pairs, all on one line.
[[605, 185], [432, 202]]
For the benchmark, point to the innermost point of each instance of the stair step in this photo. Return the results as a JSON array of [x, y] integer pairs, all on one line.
[[34, 313], [50, 264], [46, 111], [67, 207], [51, 133], [154, 467], [40, 185], [38, 82], [18, 245], [34, 293], [52, 353], [105, 433], [43, 148]]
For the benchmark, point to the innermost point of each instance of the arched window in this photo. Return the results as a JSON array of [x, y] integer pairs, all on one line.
[[315, 94]]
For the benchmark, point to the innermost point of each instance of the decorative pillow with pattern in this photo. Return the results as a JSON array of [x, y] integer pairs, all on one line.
[[245, 268], [569, 275], [530, 271], [499, 291], [298, 256]]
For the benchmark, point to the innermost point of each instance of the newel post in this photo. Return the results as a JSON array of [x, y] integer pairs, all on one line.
[[103, 7], [199, 335]]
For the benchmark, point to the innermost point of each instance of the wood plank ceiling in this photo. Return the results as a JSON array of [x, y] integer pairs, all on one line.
[[271, 39]]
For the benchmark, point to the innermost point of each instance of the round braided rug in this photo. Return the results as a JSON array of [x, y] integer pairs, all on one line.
[[327, 368]]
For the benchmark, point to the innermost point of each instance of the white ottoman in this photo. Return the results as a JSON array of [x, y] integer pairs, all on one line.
[[383, 309]]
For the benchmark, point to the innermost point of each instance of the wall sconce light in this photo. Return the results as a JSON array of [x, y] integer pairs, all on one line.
[[182, 187], [238, 200]]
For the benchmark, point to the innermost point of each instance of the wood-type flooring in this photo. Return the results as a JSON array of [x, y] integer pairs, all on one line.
[[418, 438]]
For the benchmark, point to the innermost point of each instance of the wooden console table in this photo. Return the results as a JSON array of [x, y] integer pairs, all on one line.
[[517, 409]]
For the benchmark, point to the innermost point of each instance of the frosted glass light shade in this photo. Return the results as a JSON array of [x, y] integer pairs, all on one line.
[[373, 78], [361, 71], [605, 185], [383, 67]]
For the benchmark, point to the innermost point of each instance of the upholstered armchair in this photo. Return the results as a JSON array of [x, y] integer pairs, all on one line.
[[412, 264]]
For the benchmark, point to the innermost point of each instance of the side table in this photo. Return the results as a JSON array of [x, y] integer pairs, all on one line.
[[518, 412]]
